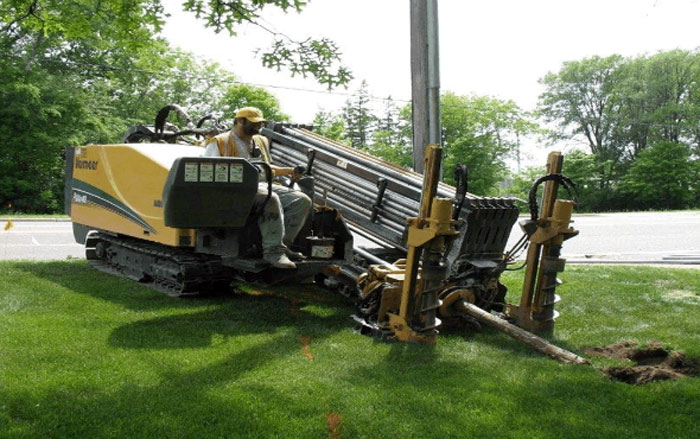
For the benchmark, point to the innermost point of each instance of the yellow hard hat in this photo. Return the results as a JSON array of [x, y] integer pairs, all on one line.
[[251, 113]]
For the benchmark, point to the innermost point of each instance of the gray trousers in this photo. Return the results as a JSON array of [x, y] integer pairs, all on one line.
[[283, 216]]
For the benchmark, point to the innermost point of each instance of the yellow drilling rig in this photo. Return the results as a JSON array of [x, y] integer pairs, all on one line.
[[154, 210]]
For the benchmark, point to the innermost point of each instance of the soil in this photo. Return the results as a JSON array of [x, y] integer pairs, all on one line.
[[652, 362]]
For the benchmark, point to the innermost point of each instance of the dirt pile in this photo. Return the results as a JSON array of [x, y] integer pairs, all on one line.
[[653, 362]]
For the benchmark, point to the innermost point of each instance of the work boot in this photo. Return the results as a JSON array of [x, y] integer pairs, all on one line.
[[291, 254], [278, 260]]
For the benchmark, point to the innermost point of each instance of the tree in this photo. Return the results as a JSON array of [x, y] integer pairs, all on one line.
[[481, 132], [134, 23], [330, 125], [585, 171], [40, 114], [478, 131], [242, 95], [519, 183], [391, 140], [621, 108], [63, 84], [662, 177], [319, 58], [358, 118], [581, 100], [661, 99], [388, 121]]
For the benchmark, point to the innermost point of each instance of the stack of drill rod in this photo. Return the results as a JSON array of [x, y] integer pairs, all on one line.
[[376, 197]]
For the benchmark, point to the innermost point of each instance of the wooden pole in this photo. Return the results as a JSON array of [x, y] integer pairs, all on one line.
[[539, 343]]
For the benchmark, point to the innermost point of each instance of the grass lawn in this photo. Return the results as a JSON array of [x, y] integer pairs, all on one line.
[[87, 355], [21, 216]]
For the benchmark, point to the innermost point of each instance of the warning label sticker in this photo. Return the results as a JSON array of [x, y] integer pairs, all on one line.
[[206, 172], [191, 171], [221, 174], [236, 173]]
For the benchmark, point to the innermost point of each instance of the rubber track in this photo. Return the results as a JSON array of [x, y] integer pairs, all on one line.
[[194, 273]]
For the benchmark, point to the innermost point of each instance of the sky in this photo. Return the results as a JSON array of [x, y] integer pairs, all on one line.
[[499, 48]]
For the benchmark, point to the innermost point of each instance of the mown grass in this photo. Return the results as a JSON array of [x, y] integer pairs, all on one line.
[[87, 355], [16, 215]]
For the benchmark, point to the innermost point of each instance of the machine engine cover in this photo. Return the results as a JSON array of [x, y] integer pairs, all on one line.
[[205, 192]]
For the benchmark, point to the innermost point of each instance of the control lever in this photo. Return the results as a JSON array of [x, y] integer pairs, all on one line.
[[311, 155], [381, 188], [462, 178]]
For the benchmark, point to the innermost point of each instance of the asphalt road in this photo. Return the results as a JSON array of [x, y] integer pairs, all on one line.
[[648, 237], [41, 240]]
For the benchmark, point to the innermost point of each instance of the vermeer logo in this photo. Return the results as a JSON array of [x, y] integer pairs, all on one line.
[[86, 164], [79, 199]]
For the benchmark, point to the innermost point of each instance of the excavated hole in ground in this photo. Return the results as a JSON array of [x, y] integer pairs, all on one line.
[[653, 362]]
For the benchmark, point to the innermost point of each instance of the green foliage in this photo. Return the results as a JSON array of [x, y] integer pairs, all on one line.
[[391, 139], [330, 125], [481, 132], [519, 184], [579, 98], [152, 78], [359, 119], [662, 177], [87, 355], [386, 147], [660, 95], [40, 114], [64, 83], [229, 15], [621, 107], [242, 95], [319, 58], [593, 193], [132, 23]]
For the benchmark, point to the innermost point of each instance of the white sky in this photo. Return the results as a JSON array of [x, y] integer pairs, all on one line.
[[496, 47]]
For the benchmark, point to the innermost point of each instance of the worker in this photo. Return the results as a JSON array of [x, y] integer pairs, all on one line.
[[286, 210]]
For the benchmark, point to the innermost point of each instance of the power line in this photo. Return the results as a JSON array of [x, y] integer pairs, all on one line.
[[192, 76], [202, 78]]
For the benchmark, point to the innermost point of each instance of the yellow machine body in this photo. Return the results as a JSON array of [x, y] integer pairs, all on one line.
[[119, 188], [164, 215]]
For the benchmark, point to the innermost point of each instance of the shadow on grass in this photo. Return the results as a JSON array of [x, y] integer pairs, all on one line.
[[243, 315], [80, 277], [258, 309], [242, 309], [183, 404]]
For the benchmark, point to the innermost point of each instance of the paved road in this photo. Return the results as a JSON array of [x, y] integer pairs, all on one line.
[[43, 240], [639, 236], [619, 237]]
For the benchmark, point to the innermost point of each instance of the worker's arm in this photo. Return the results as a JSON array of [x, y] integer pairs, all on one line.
[[296, 173]]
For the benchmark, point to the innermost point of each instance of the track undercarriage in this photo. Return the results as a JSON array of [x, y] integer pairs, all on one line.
[[173, 271]]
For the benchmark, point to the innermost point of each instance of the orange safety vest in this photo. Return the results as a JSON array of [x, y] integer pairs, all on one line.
[[229, 148]]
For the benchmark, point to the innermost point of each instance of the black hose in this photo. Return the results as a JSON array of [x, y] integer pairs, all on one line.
[[568, 184], [163, 115]]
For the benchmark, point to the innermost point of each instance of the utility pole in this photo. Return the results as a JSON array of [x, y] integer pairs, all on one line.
[[425, 78]]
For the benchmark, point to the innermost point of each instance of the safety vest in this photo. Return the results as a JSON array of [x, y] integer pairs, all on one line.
[[227, 145]]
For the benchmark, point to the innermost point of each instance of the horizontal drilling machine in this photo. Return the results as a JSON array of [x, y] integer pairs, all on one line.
[[159, 213]]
